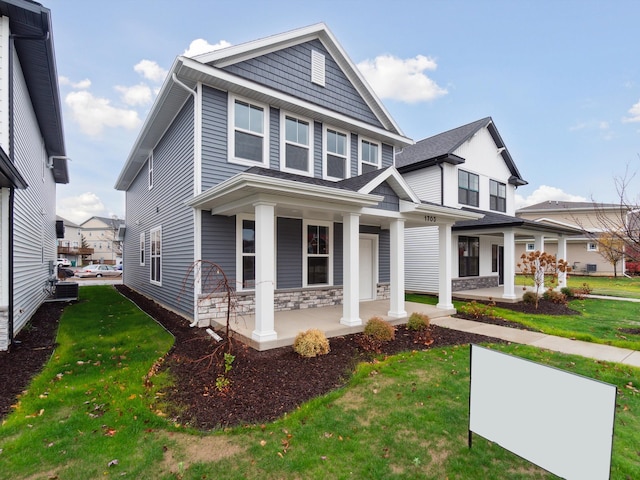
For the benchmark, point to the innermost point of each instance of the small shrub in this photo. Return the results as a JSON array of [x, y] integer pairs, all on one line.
[[530, 297], [311, 343], [568, 292], [584, 289], [379, 330], [418, 321], [478, 310], [554, 296]]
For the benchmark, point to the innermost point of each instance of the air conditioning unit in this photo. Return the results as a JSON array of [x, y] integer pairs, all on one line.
[[68, 290]]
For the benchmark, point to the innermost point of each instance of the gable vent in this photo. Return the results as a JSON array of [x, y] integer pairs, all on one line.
[[317, 68]]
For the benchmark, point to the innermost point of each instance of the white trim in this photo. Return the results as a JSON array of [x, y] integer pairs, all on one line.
[[325, 152], [284, 142], [396, 267], [150, 172], [240, 254], [156, 230], [592, 246], [375, 247], [231, 129], [305, 254], [142, 252], [530, 247], [372, 142]]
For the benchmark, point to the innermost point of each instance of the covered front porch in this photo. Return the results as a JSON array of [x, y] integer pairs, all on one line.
[[327, 319]]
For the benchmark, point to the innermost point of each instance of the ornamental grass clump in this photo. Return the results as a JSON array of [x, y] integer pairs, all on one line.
[[376, 333], [311, 343], [530, 297], [419, 324]]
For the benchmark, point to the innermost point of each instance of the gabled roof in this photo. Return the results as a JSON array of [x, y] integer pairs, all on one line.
[[560, 206], [31, 30], [108, 221], [441, 147], [186, 73], [497, 221]]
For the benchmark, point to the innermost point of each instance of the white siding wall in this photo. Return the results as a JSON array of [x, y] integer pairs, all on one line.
[[425, 183], [4, 195], [421, 259], [34, 209]]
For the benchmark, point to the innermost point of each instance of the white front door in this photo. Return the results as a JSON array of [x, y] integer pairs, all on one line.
[[368, 269]]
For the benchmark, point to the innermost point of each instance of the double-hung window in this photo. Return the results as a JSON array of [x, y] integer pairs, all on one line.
[[155, 242], [370, 155], [497, 196], [468, 256], [468, 188], [336, 160], [317, 253], [142, 247], [247, 133], [296, 151], [246, 241]]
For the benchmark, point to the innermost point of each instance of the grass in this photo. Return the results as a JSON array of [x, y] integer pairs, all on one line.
[[402, 417], [615, 287]]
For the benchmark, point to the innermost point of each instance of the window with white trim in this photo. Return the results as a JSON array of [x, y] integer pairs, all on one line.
[[370, 154], [468, 188], [318, 258], [296, 152], [497, 196], [531, 247], [142, 249], [246, 252], [248, 133], [150, 170], [336, 150], [592, 246], [155, 243]]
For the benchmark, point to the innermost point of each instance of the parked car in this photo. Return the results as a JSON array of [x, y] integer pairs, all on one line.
[[98, 271], [63, 262]]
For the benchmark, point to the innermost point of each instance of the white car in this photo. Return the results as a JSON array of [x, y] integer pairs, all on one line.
[[63, 262], [98, 271]]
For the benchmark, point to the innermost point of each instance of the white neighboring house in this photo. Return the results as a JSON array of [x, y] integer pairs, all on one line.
[[32, 161], [101, 235], [469, 167], [70, 246]]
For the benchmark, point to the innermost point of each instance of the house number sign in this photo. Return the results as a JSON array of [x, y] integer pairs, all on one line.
[[430, 218]]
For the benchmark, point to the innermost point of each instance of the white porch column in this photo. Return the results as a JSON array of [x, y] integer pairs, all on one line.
[[539, 246], [444, 266], [562, 254], [351, 269], [396, 303], [509, 267], [265, 281]]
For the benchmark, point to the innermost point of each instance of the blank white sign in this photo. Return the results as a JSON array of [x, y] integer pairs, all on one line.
[[558, 420]]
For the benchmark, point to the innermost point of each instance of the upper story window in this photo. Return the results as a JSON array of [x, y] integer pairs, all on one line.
[[592, 246], [370, 155], [336, 161], [497, 196], [248, 133], [296, 151], [468, 188], [530, 247], [150, 170]]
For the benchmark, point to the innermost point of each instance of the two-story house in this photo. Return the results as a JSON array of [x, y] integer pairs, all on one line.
[[100, 234], [273, 162], [469, 167], [32, 161]]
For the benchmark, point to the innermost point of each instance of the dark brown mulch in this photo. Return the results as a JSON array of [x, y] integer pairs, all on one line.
[[264, 385]]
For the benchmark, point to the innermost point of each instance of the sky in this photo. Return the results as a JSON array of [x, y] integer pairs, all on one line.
[[560, 78]]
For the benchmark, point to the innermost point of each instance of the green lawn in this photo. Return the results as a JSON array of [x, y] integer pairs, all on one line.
[[615, 287], [402, 417]]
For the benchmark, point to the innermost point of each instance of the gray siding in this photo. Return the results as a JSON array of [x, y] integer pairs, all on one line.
[[387, 155], [318, 149], [391, 201], [384, 251], [34, 209], [354, 155], [338, 255], [164, 206], [219, 245], [274, 138], [289, 71], [289, 253]]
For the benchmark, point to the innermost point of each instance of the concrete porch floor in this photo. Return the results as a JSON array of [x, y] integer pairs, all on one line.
[[289, 323], [494, 294]]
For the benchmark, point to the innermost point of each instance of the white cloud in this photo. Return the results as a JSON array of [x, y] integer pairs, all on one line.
[[81, 207], [545, 193], [140, 94], [403, 80], [81, 85], [635, 114], [94, 114], [200, 46], [150, 70]]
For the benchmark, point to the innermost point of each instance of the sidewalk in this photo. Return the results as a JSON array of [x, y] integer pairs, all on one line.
[[542, 340]]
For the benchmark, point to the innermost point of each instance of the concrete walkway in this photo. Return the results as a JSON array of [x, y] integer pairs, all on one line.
[[541, 340]]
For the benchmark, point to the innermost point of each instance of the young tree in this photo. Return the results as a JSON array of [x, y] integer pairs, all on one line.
[[540, 266], [612, 249]]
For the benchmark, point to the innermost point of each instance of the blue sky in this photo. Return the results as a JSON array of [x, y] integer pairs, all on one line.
[[561, 79]]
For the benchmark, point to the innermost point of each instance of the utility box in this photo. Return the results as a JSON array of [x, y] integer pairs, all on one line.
[[67, 290]]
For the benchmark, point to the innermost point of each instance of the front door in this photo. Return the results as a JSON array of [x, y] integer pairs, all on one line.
[[367, 268]]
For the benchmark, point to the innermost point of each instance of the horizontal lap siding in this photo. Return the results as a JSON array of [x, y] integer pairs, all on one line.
[[219, 246], [384, 252], [421, 259], [34, 209], [164, 206], [289, 253], [289, 71]]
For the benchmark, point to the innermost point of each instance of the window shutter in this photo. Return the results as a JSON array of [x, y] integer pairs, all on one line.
[[317, 68]]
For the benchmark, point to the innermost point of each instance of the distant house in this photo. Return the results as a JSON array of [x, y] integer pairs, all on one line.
[[469, 167], [101, 235], [32, 161], [70, 246], [274, 161], [584, 250]]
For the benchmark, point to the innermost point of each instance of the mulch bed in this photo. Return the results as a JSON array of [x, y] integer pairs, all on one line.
[[264, 385]]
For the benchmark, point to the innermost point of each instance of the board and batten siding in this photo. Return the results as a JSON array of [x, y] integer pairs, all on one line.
[[164, 206], [421, 267], [34, 208], [289, 70]]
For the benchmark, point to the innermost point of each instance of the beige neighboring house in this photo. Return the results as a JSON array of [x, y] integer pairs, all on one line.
[[101, 235], [70, 246], [583, 251]]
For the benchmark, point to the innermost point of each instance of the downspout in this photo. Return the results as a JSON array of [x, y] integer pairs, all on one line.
[[441, 182], [193, 92]]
